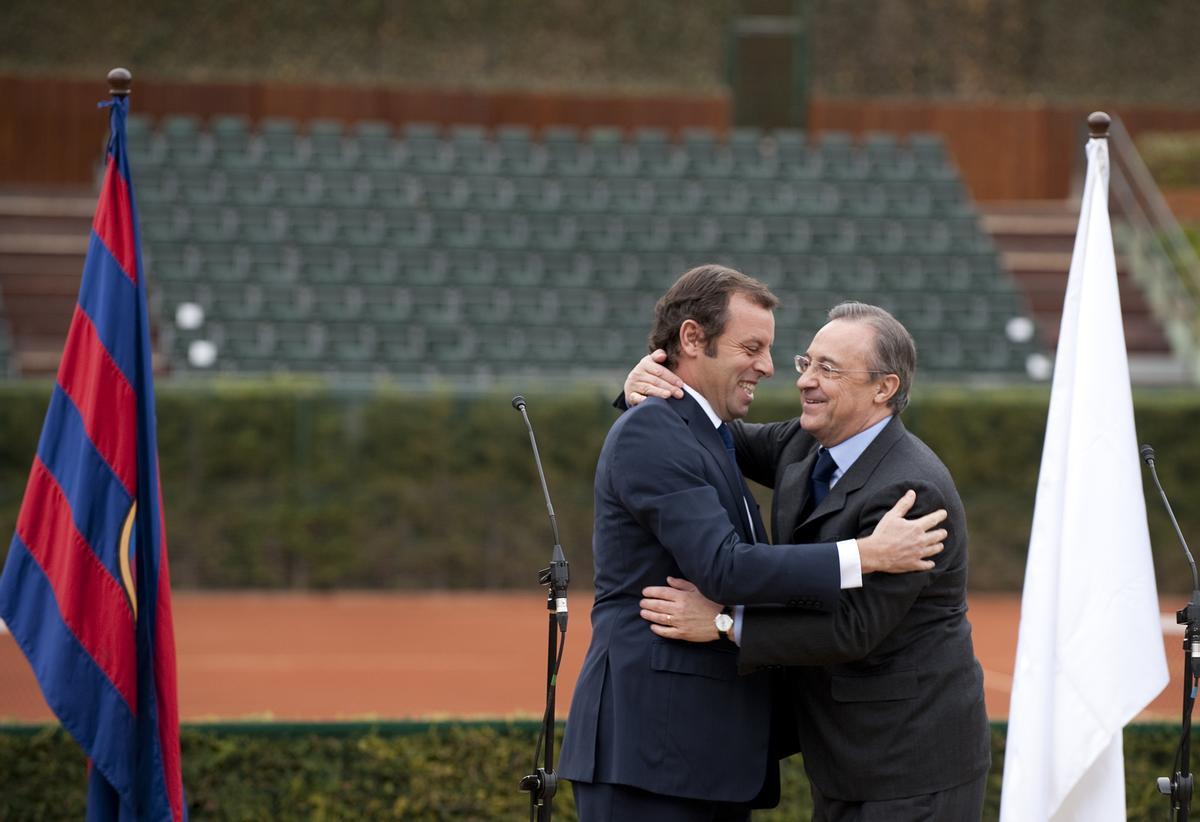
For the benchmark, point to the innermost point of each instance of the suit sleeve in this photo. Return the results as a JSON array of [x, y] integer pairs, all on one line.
[[759, 446], [660, 476], [862, 618]]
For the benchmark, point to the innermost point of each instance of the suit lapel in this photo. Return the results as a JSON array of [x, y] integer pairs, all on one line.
[[792, 495], [702, 427], [859, 472]]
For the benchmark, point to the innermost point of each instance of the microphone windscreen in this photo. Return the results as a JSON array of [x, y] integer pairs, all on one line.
[[518, 402], [1147, 454]]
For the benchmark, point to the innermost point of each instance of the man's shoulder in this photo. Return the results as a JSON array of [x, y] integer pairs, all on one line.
[[654, 415]]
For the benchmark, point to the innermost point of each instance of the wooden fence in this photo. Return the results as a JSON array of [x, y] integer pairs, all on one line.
[[51, 132]]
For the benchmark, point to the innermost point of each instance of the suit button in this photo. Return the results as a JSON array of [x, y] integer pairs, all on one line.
[[792, 603]]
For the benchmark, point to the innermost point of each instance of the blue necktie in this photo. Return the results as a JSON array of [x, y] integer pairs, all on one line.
[[822, 473], [727, 438]]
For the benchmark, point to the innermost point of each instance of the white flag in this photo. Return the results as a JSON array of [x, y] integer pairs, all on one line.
[[1090, 650]]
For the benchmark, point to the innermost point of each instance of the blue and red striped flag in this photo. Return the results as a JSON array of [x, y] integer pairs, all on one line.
[[85, 589]]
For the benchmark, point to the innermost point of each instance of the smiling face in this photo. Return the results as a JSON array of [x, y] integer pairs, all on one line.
[[741, 356], [838, 406]]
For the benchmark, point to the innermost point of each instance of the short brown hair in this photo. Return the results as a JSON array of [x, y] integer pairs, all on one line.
[[894, 353], [702, 294]]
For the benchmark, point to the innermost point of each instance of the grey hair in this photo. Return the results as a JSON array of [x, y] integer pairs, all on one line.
[[895, 352]]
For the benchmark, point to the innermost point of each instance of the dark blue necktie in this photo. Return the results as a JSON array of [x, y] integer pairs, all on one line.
[[727, 438], [822, 473]]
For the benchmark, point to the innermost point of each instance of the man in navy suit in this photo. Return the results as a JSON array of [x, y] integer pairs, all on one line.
[[886, 689], [665, 729]]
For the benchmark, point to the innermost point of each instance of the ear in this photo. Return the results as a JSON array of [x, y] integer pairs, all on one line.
[[886, 389], [691, 339]]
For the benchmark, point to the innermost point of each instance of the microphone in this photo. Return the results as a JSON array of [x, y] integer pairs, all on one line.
[[558, 575], [1148, 457], [1190, 615]]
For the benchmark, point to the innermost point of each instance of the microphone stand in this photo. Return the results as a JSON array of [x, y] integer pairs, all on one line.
[[542, 784], [1179, 786]]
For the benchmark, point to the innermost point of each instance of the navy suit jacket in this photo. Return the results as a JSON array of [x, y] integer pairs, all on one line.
[[668, 716]]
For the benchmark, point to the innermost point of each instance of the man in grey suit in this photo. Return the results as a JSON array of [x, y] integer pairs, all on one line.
[[886, 689], [663, 729]]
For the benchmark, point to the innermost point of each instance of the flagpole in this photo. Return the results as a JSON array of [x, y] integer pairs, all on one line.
[[119, 82]]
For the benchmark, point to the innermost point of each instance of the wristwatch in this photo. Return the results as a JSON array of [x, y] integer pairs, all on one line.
[[724, 623]]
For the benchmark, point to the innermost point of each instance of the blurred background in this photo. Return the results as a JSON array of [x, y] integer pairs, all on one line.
[[365, 228]]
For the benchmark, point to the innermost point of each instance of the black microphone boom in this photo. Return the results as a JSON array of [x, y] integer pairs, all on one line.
[[1178, 787], [542, 784], [1148, 456]]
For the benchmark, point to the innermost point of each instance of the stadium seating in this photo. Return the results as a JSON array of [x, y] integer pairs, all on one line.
[[423, 252]]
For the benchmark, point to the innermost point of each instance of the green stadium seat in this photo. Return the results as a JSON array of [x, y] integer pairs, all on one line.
[[544, 194], [233, 146], [402, 344], [473, 151], [493, 193], [363, 227], [706, 155], [521, 268], [352, 344], [312, 226], [325, 263], [387, 304], [425, 151], [885, 159], [338, 303], [146, 148], [553, 232], [346, 188], [262, 224], [156, 185], [613, 157], [185, 143], [375, 147], [329, 149], [296, 187], [674, 196], [656, 156], [931, 157], [796, 161], [568, 155], [840, 158], [727, 197], [590, 195], [445, 192], [519, 154], [279, 144], [750, 159]]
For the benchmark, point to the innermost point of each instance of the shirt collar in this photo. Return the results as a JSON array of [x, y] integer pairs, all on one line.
[[846, 452], [698, 397]]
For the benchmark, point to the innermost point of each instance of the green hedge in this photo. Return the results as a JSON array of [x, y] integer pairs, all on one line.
[[934, 48], [461, 771], [287, 486]]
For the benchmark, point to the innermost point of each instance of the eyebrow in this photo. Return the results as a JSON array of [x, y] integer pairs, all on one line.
[[826, 360]]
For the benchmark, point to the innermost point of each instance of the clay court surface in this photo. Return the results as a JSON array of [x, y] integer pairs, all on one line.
[[348, 656]]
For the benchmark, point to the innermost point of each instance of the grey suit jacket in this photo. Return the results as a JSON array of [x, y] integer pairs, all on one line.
[[889, 702]]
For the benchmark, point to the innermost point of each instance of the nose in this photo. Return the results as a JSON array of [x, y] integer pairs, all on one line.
[[765, 366], [808, 379]]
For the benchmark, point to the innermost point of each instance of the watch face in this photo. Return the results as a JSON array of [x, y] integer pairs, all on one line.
[[724, 622]]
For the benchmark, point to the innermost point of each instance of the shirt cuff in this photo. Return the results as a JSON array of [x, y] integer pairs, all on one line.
[[738, 612], [850, 562]]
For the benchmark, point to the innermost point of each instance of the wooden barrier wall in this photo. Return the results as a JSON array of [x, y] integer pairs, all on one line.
[[51, 132]]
